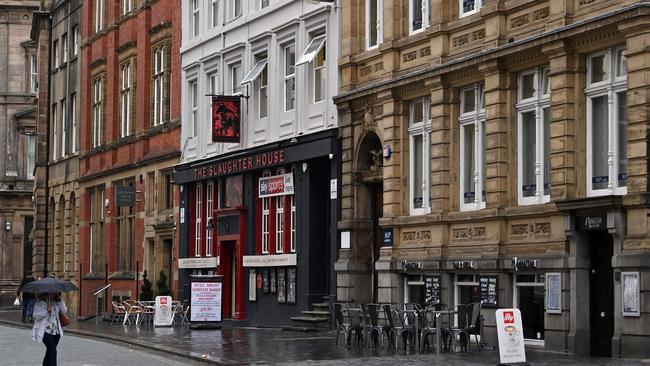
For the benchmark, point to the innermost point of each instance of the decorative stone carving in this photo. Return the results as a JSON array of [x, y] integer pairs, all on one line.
[[365, 70], [426, 51], [538, 230], [478, 35], [469, 233], [410, 56], [369, 123], [586, 2], [519, 21], [461, 40], [379, 66], [377, 159], [540, 14]]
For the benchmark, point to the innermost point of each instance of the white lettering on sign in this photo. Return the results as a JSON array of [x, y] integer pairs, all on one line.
[[278, 260], [209, 262], [277, 185], [206, 302]]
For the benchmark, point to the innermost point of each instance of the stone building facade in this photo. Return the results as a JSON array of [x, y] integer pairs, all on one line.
[[128, 144], [496, 152], [18, 140], [57, 187]]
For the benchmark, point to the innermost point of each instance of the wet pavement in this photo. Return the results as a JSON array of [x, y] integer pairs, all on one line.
[[262, 346]]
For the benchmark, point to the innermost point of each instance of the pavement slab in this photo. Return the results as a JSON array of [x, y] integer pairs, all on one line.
[[263, 346]]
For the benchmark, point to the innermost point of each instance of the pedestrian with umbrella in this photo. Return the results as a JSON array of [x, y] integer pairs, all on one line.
[[50, 313]]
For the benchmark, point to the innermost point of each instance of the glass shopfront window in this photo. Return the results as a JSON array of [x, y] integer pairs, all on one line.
[[529, 298], [414, 289]]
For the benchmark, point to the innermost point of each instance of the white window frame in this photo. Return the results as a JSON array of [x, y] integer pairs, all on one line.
[[264, 3], [425, 16], [515, 298], [476, 118], [379, 25], [194, 100], [31, 156], [610, 88], [197, 219], [195, 17], [34, 73], [420, 128], [99, 15], [266, 219], [255, 72], [235, 9], [287, 77], [55, 131], [159, 86], [73, 119], [234, 69], [322, 71], [125, 99], [64, 127], [64, 48], [209, 199], [254, 76], [214, 13], [213, 82], [540, 101], [312, 49], [279, 220], [55, 51], [457, 284], [97, 111], [127, 6], [75, 40], [477, 8]]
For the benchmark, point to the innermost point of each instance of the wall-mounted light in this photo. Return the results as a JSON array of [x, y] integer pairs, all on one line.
[[305, 166], [294, 140], [331, 156], [8, 225], [210, 225]]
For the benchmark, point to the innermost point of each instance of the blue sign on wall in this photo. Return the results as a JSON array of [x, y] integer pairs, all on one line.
[[387, 237]]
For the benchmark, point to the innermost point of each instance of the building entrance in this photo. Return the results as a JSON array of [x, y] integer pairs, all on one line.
[[601, 294]]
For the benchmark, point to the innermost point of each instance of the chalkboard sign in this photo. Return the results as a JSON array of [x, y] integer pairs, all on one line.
[[432, 289], [291, 285], [489, 290], [273, 283]]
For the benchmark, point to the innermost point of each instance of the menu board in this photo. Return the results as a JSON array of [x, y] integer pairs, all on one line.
[[273, 283], [282, 285], [489, 290], [432, 289], [291, 285], [553, 293]]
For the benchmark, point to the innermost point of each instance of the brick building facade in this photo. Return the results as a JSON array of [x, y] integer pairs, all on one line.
[[513, 166], [129, 143]]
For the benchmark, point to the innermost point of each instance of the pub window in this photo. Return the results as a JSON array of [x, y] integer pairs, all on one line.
[[214, 13], [194, 100], [209, 195], [534, 159], [34, 74], [64, 47], [31, 156], [75, 40], [472, 148], [198, 210], [266, 220], [167, 190], [606, 93], [55, 52], [235, 78], [293, 223], [125, 231], [279, 220], [466, 291], [195, 18]]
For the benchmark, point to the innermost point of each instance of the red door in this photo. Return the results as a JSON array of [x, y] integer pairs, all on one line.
[[226, 269]]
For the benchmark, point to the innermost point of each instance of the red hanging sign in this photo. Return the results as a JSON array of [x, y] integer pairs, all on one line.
[[226, 118]]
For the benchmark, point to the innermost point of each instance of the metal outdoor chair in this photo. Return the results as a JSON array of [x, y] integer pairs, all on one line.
[[344, 323], [460, 330], [431, 327], [119, 313], [371, 326], [132, 309], [397, 327], [148, 311], [474, 325]]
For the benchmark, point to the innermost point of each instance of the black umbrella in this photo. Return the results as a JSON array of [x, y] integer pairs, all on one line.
[[48, 285]]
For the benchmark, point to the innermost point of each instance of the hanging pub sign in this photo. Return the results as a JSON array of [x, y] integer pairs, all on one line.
[[226, 118], [277, 185]]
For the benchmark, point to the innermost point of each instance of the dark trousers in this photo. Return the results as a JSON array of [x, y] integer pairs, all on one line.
[[50, 342]]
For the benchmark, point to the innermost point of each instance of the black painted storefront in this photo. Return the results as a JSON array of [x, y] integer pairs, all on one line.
[[315, 161]]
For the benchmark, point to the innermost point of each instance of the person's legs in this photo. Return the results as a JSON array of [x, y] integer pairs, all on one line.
[[51, 342], [30, 308], [24, 309]]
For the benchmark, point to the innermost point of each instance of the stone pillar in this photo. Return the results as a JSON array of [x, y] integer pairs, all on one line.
[[391, 125], [441, 172], [565, 118], [579, 275], [496, 131]]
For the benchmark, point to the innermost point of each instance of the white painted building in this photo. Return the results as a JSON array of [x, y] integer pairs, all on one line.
[[276, 250]]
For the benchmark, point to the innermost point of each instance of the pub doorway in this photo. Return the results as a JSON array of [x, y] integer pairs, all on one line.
[[228, 269], [601, 292]]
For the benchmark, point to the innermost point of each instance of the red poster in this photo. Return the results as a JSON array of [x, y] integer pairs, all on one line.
[[226, 118]]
